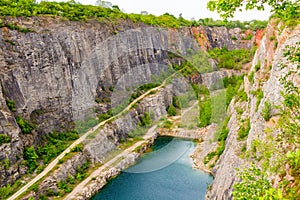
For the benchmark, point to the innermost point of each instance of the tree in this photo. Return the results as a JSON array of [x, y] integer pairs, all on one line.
[[253, 184], [171, 110], [228, 8], [31, 157]]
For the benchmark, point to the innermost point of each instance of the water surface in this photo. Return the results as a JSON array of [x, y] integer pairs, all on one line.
[[162, 174]]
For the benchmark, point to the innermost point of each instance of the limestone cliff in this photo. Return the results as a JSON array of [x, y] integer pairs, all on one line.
[[266, 77], [54, 73]]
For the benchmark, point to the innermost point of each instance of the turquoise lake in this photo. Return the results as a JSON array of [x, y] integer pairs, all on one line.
[[162, 174]]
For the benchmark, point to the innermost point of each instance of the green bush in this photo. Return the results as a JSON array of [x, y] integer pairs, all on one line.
[[24, 125], [257, 66], [251, 77], [259, 97], [5, 191], [171, 110], [232, 59], [167, 124], [266, 111], [244, 129], [205, 110], [4, 139], [31, 157], [146, 120], [11, 105], [147, 86], [78, 148], [103, 117], [242, 95], [84, 126], [253, 185], [111, 88], [248, 37], [176, 102], [54, 144]]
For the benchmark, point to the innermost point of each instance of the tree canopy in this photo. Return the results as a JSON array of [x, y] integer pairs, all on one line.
[[105, 10], [284, 9]]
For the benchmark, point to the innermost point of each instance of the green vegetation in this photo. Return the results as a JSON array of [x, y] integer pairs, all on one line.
[[199, 60], [11, 105], [232, 59], [232, 85], [78, 148], [84, 126], [137, 132], [253, 185], [266, 111], [205, 110], [66, 186], [257, 66], [275, 154], [4, 139], [244, 129], [75, 11], [145, 120], [251, 77], [218, 106], [13, 26], [9, 189], [24, 125], [105, 116], [142, 89], [167, 124], [56, 143], [111, 88], [252, 25], [242, 95], [221, 135], [286, 10], [248, 37], [259, 95], [30, 156], [171, 110], [213, 108]]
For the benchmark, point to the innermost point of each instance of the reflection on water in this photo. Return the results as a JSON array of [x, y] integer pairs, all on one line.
[[164, 173]]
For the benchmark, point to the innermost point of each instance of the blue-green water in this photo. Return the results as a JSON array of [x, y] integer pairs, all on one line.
[[164, 173]]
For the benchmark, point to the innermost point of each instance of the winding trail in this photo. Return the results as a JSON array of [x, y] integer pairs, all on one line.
[[51, 165]]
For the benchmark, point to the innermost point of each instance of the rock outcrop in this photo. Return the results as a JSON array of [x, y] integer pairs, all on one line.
[[54, 74], [268, 57]]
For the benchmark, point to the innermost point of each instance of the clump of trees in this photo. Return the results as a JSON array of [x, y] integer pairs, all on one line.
[[53, 145], [75, 11], [286, 10], [232, 59]]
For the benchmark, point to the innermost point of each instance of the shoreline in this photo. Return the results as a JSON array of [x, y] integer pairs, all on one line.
[[99, 178]]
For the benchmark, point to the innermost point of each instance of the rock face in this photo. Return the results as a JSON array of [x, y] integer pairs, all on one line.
[[268, 56], [55, 73]]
